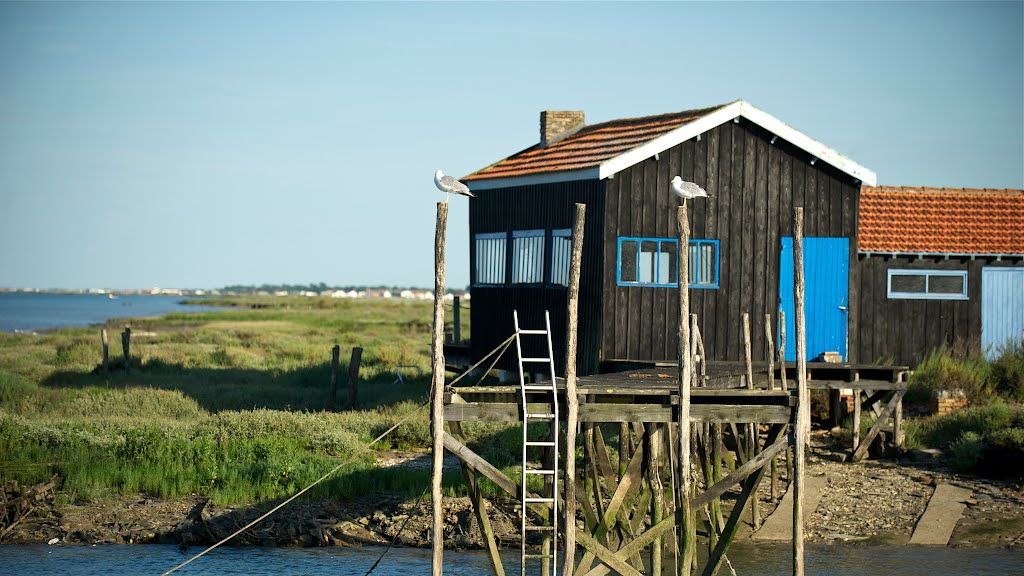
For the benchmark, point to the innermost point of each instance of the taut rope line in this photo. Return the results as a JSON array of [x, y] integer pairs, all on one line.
[[339, 466]]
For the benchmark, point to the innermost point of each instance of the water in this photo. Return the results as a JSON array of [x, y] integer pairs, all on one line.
[[748, 559], [25, 312]]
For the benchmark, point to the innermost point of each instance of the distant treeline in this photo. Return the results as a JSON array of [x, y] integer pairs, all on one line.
[[318, 287]]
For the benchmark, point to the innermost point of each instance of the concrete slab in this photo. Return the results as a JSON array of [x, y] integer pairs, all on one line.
[[944, 510], [779, 526]]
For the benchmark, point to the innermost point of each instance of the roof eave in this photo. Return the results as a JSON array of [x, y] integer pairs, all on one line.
[[534, 179]]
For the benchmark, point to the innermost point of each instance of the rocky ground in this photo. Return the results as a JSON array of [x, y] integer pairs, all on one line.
[[876, 501]]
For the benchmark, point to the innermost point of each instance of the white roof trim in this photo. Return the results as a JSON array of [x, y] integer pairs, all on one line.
[[724, 114], [529, 180]]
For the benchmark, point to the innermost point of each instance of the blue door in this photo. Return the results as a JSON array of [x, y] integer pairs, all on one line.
[[1002, 307], [826, 295]]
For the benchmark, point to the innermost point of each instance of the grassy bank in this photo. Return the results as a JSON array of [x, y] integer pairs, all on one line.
[[232, 404]]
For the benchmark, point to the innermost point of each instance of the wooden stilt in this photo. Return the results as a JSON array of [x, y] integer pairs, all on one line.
[[752, 441], [769, 353], [437, 391], [572, 401], [657, 492], [688, 526], [803, 405], [479, 507]]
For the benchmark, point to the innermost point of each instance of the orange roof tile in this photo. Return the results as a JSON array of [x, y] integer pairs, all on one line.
[[941, 220], [590, 146]]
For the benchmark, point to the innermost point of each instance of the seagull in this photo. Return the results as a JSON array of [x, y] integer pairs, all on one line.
[[448, 185], [687, 190]]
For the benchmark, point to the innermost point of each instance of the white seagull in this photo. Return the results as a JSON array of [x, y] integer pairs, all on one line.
[[687, 190], [450, 185]]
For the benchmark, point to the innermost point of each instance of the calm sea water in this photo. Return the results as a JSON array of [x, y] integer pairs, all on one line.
[[748, 560], [25, 312]]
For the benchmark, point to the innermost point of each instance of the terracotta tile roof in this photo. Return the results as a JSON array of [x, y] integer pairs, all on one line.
[[941, 220], [590, 146]]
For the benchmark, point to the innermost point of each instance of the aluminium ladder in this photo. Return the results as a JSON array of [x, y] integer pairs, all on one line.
[[548, 496]]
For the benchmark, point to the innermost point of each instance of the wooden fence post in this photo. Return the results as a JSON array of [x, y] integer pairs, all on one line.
[[335, 356], [437, 393], [457, 321], [106, 351], [571, 399], [803, 407], [126, 344], [353, 376]]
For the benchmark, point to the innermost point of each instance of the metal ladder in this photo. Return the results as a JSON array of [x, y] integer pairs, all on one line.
[[548, 497]]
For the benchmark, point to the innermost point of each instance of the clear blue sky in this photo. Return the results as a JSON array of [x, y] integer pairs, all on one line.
[[205, 144]]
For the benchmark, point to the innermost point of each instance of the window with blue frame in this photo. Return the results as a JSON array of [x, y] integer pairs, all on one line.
[[561, 255], [653, 262], [490, 258]]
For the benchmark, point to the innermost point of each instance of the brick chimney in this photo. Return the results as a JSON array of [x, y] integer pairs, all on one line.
[[557, 124]]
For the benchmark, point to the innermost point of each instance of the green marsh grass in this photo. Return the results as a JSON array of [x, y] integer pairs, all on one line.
[[231, 404]]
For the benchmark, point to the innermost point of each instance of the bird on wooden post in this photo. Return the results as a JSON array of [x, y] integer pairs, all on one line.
[[687, 190], [450, 185]]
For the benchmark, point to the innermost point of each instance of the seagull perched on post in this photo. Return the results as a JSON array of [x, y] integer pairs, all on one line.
[[687, 190], [448, 185]]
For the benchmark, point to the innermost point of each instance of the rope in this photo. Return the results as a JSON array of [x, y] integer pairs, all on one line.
[[340, 466], [399, 533]]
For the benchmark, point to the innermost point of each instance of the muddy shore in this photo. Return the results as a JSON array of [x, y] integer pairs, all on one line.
[[874, 502]]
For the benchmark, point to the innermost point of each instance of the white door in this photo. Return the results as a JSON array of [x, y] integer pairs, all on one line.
[[1002, 307]]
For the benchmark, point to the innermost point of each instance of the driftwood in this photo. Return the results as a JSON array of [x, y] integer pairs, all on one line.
[[18, 502]]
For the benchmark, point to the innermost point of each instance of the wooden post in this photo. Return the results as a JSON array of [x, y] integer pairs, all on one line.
[[571, 400], [437, 392], [457, 320], [688, 528], [657, 493], [769, 353], [126, 345], [803, 406], [106, 351], [335, 356], [353, 375], [479, 506], [782, 350], [752, 442], [856, 418]]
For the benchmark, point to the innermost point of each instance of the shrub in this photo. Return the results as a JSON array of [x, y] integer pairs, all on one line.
[[941, 370], [1007, 372], [967, 450]]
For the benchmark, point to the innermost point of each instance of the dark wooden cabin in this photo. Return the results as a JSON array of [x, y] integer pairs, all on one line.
[[756, 169], [937, 267]]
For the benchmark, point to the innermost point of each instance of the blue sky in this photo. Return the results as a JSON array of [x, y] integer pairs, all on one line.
[[206, 144]]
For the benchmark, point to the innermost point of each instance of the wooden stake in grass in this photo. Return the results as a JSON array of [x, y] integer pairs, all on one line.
[[335, 356], [106, 351], [353, 376], [570, 388], [803, 407], [437, 391], [126, 346]]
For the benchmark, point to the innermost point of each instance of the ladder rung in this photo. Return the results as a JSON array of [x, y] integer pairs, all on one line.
[[541, 528], [544, 416], [539, 471], [536, 360], [541, 443], [541, 332], [539, 500]]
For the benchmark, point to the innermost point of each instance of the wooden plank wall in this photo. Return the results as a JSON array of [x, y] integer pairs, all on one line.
[[551, 207], [755, 185], [904, 331]]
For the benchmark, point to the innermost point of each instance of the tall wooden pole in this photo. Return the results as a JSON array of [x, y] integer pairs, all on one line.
[[437, 390], [803, 407], [752, 440], [688, 532], [571, 399]]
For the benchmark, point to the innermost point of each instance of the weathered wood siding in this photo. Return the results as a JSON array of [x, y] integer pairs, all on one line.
[[754, 186], [904, 331], [551, 207]]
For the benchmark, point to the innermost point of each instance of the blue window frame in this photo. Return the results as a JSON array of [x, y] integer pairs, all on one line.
[[561, 255], [653, 262]]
